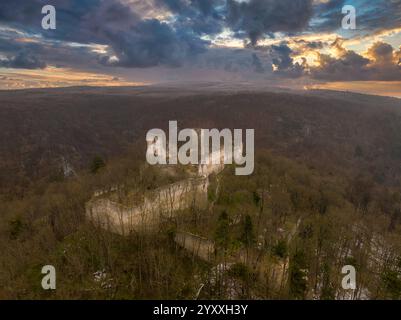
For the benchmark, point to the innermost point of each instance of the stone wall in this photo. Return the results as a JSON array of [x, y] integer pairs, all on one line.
[[200, 247], [159, 204]]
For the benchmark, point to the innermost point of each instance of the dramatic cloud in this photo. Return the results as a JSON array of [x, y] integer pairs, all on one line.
[[382, 63], [372, 16], [263, 39], [379, 15], [23, 60], [256, 18], [151, 43], [310, 45], [202, 17], [328, 15], [283, 63], [133, 42]]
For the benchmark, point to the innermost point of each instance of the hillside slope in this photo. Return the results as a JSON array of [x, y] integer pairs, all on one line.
[[40, 127]]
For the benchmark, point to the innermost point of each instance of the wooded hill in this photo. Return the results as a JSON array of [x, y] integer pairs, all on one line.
[[324, 194]]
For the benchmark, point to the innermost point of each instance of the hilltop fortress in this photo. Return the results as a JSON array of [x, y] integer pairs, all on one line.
[[159, 204], [192, 146]]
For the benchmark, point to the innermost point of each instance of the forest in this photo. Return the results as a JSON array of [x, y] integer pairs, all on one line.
[[283, 233], [322, 196]]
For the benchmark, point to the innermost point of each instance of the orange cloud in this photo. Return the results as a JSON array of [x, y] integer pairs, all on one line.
[[57, 77]]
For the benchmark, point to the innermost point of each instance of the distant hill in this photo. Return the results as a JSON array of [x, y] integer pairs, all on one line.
[[326, 129]]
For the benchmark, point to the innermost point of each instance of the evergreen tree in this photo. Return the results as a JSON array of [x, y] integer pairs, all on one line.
[[97, 164], [248, 235], [298, 276], [222, 231]]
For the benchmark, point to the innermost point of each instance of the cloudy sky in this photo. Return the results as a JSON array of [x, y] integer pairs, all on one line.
[[293, 43]]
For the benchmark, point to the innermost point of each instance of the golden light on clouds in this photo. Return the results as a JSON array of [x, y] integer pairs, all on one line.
[[27, 40], [380, 88], [382, 35], [57, 77], [308, 51]]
